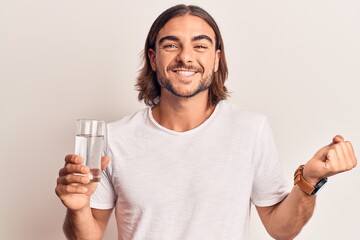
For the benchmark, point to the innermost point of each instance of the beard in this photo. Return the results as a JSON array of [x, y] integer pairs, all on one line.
[[203, 85]]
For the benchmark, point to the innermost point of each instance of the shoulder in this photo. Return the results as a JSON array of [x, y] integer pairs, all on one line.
[[238, 114], [130, 121]]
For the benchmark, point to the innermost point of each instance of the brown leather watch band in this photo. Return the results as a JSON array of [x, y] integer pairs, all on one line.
[[300, 181]]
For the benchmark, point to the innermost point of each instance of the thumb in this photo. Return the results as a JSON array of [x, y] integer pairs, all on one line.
[[322, 154], [337, 139], [315, 168], [104, 162]]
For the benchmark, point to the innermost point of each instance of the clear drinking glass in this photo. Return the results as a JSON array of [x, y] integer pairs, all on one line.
[[89, 144]]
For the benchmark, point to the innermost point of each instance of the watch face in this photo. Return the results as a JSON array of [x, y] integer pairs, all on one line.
[[319, 185]]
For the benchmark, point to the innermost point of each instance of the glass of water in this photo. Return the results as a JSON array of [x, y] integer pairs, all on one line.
[[89, 144]]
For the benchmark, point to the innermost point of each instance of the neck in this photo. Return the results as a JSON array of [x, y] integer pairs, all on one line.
[[182, 114]]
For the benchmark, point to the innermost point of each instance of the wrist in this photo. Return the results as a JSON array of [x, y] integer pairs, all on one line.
[[308, 178], [79, 213], [305, 186]]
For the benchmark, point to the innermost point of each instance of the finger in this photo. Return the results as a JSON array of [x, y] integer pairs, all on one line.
[[337, 139], [332, 161], [72, 178], [351, 153], [74, 168], [322, 153], [70, 189], [72, 158], [347, 156], [62, 172], [71, 168], [341, 157], [104, 162]]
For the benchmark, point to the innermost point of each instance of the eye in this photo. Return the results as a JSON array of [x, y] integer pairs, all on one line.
[[170, 46], [201, 47]]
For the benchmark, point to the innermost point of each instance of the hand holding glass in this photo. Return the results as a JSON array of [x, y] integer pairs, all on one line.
[[89, 144]]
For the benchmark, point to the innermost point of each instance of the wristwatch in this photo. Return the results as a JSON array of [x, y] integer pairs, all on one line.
[[304, 185]]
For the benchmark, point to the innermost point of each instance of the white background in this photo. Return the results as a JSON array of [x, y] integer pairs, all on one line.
[[296, 61]]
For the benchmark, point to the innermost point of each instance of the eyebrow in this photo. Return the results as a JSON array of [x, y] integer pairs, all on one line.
[[196, 38], [200, 37], [170, 38]]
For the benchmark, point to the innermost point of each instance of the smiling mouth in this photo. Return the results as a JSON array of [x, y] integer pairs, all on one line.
[[185, 73]]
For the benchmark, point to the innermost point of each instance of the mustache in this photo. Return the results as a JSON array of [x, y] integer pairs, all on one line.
[[184, 67]]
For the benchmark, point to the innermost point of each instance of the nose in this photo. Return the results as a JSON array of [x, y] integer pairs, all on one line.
[[185, 55]]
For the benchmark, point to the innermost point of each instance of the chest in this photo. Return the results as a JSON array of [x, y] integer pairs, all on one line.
[[174, 171]]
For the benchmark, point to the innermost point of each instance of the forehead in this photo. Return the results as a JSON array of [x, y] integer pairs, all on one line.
[[186, 26]]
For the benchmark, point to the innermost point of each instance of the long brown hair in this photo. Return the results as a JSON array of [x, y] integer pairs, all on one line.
[[147, 84]]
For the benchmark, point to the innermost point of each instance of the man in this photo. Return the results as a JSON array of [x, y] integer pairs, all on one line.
[[189, 166]]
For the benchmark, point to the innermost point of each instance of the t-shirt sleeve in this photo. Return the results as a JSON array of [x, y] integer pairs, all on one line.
[[269, 186], [104, 196]]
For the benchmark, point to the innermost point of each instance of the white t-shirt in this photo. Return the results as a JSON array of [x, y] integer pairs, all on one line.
[[198, 184]]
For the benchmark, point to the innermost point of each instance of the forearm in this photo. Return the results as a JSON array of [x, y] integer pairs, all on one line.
[[288, 217], [81, 225]]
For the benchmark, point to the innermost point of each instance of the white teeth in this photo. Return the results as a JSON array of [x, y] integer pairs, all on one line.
[[185, 73]]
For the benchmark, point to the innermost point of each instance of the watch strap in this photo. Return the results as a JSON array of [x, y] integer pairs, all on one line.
[[301, 182]]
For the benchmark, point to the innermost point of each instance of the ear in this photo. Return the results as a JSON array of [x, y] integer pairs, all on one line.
[[217, 60], [152, 58]]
